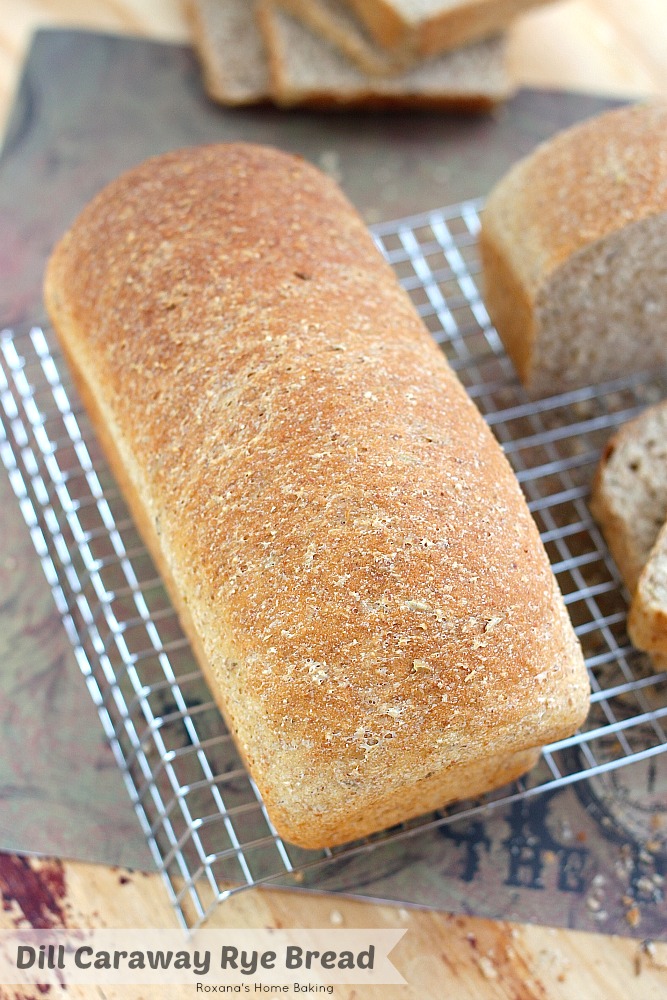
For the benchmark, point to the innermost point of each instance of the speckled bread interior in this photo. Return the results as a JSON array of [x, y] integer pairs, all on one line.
[[348, 549]]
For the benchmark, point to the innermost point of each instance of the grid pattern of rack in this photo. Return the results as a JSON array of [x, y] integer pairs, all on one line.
[[200, 811]]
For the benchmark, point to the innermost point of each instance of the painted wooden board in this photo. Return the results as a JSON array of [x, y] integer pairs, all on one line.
[[441, 956]]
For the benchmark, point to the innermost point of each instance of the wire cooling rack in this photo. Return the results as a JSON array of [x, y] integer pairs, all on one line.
[[201, 813]]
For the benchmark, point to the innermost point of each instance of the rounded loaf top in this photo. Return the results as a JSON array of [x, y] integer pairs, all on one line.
[[347, 546]]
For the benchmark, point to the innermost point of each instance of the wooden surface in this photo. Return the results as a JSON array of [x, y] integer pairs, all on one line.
[[441, 956], [608, 46]]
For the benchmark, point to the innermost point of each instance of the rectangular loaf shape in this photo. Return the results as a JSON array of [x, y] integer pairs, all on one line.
[[347, 547]]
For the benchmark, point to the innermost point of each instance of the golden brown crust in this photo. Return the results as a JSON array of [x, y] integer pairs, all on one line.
[[347, 546]]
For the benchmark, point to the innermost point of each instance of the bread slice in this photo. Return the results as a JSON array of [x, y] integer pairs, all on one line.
[[305, 70], [647, 621], [429, 27], [348, 548], [230, 50], [629, 493], [334, 21], [574, 252], [309, 70], [629, 500]]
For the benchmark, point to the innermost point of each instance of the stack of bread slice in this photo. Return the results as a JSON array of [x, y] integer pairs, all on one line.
[[448, 54]]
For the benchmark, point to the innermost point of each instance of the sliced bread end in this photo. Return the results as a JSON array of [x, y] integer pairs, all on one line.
[[647, 622], [230, 50]]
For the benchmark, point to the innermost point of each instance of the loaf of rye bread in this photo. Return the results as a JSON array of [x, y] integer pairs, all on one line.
[[348, 549]]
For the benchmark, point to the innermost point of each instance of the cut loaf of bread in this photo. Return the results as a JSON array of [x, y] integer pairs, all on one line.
[[306, 70], [429, 27], [629, 493], [347, 546], [574, 252]]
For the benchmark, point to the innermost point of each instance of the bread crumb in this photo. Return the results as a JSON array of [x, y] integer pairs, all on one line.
[[417, 606], [487, 967], [393, 710], [421, 665]]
